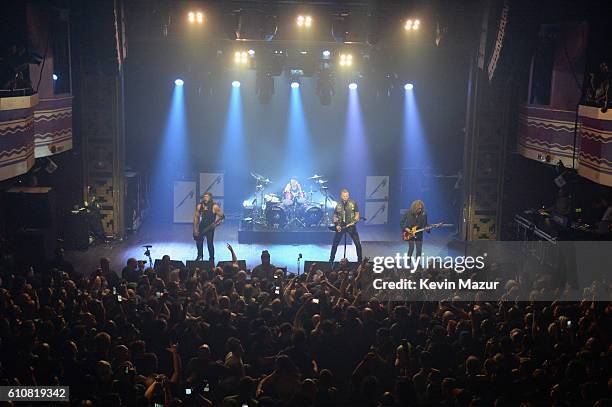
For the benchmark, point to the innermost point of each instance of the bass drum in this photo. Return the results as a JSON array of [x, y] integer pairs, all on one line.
[[313, 215], [276, 216]]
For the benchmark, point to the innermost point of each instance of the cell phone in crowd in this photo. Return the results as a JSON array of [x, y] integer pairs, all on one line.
[[206, 387], [315, 300], [277, 290], [188, 391]]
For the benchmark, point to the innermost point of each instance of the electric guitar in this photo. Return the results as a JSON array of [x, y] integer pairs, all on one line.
[[348, 225], [411, 232]]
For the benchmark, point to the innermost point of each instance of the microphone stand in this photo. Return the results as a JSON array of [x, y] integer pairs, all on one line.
[[148, 254]]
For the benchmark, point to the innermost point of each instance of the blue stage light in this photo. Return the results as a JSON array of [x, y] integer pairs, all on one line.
[[295, 85], [408, 86], [236, 84], [54, 77], [352, 86], [178, 82]]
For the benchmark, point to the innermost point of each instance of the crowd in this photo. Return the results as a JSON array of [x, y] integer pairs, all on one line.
[[229, 337]]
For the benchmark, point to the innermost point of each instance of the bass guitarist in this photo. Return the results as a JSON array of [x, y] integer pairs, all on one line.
[[415, 216], [208, 216], [346, 216]]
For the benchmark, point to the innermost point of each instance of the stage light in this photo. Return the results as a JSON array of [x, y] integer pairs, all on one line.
[[236, 84], [295, 85], [408, 86], [346, 60], [304, 21], [195, 17], [326, 54], [55, 77], [179, 82], [412, 24], [241, 57], [352, 86], [251, 52]]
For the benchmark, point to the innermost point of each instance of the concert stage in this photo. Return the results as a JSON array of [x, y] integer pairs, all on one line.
[[285, 236], [176, 241]]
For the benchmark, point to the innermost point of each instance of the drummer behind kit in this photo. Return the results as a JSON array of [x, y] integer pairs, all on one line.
[[294, 208]]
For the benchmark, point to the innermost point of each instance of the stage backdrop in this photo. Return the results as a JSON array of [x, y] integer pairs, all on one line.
[[212, 182], [377, 200], [185, 199]]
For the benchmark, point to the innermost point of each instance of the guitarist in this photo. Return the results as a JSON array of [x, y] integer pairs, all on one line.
[[208, 216], [415, 216], [346, 215]]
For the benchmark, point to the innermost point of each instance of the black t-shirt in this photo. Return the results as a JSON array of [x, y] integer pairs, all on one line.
[[130, 275], [207, 215], [411, 220], [263, 272]]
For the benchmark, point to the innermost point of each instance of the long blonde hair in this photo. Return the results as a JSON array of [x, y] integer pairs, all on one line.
[[415, 205]]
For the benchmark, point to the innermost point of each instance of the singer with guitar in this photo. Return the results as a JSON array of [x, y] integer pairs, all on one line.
[[208, 216], [346, 216], [415, 216]]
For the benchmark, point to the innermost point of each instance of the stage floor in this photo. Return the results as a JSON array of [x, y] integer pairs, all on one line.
[[176, 241]]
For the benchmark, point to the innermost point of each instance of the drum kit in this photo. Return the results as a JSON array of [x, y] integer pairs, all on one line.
[[306, 209]]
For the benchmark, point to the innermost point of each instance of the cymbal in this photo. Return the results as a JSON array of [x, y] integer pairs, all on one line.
[[315, 177], [256, 176], [260, 179], [322, 181]]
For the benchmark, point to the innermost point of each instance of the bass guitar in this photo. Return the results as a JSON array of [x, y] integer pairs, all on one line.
[[208, 228], [410, 233]]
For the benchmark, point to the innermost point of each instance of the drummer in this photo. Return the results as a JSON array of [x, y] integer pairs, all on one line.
[[292, 191]]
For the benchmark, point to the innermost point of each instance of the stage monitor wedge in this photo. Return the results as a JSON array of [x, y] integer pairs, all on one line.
[[176, 264], [326, 267], [200, 264], [241, 264]]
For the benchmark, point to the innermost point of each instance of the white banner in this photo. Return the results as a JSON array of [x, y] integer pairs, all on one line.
[[376, 213], [184, 201], [212, 182], [377, 187]]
